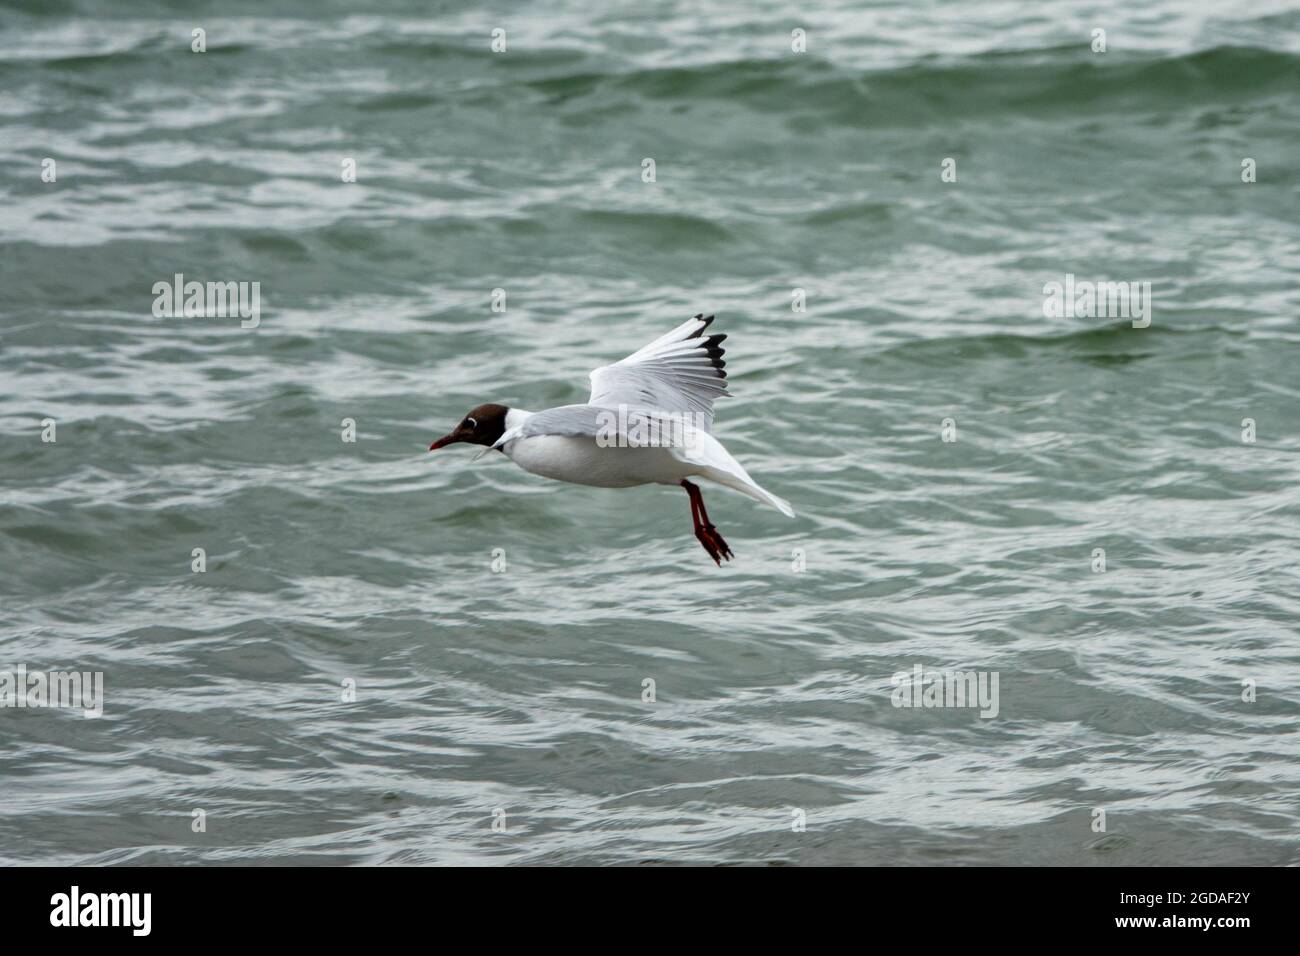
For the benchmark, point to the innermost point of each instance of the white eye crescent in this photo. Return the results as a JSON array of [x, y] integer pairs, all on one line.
[[471, 423]]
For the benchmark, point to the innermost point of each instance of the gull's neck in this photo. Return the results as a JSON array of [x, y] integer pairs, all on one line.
[[516, 417]]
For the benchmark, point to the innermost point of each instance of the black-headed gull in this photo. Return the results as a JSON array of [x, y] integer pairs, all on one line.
[[649, 421]]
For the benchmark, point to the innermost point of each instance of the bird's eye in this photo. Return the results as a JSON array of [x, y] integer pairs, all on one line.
[[471, 423]]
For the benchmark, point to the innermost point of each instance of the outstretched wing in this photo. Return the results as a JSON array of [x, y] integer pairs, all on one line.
[[681, 372]]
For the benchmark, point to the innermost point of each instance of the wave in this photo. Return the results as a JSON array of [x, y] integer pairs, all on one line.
[[1110, 343], [1032, 81]]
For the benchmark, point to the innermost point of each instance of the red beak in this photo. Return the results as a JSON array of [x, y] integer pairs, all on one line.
[[444, 440]]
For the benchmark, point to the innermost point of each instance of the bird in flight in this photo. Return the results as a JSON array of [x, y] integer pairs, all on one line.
[[649, 420]]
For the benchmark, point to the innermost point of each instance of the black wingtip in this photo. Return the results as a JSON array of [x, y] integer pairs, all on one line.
[[707, 319], [712, 346]]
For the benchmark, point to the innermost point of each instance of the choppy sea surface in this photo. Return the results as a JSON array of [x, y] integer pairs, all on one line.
[[1163, 690]]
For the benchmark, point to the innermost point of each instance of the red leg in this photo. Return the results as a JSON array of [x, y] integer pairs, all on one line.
[[718, 541], [700, 534], [705, 532]]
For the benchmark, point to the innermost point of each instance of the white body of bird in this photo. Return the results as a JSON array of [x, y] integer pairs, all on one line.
[[649, 420], [583, 460]]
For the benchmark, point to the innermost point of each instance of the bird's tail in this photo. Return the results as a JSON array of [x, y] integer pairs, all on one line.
[[716, 464], [750, 487]]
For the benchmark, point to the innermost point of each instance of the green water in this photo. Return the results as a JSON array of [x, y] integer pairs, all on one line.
[[521, 688]]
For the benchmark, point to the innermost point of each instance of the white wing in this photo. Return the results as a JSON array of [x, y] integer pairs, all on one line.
[[592, 421], [582, 420], [681, 372]]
